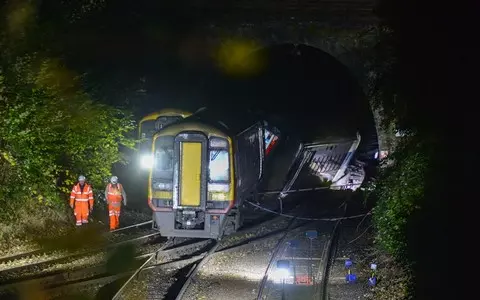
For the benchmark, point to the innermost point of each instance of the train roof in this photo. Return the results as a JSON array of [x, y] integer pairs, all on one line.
[[191, 125], [167, 112], [232, 121]]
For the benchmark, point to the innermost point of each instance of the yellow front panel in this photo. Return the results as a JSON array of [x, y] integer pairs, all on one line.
[[162, 195], [191, 171]]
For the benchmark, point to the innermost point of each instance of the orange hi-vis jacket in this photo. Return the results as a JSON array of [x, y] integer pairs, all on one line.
[[78, 195], [115, 195]]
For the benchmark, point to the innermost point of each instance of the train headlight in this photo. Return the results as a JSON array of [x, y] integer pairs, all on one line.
[[146, 161], [217, 187], [164, 186]]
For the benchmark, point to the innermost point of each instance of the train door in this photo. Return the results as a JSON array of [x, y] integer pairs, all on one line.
[[189, 180]]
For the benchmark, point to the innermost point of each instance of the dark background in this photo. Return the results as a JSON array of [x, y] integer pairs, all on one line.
[[148, 56]]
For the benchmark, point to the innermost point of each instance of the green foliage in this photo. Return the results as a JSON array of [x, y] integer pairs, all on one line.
[[400, 192], [51, 132]]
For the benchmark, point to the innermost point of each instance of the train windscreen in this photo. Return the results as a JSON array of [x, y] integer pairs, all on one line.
[[163, 158], [147, 129], [219, 170], [164, 121]]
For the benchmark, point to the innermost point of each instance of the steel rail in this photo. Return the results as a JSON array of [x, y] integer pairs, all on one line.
[[138, 270], [4, 259], [272, 259], [79, 254], [194, 270]]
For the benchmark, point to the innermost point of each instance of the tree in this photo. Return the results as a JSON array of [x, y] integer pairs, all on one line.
[[50, 130], [412, 192]]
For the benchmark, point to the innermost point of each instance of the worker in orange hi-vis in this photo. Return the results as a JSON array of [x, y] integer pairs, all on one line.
[[115, 193], [81, 200]]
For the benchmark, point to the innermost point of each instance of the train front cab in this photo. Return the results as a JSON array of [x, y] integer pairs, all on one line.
[[151, 124], [191, 184]]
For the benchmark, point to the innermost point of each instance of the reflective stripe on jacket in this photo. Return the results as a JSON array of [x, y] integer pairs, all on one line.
[[115, 194], [82, 196]]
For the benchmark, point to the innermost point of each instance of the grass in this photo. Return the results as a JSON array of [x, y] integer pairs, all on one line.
[[31, 224]]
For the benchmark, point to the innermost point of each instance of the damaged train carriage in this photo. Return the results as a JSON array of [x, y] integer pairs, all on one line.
[[202, 172], [325, 163]]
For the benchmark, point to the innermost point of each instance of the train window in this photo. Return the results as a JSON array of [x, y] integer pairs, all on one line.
[[147, 129], [219, 170], [164, 158], [164, 121]]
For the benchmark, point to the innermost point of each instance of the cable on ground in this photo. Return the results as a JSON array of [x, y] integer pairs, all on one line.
[[302, 218]]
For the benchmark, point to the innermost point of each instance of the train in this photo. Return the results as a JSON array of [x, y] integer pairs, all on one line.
[[207, 164], [152, 123], [204, 166], [203, 169]]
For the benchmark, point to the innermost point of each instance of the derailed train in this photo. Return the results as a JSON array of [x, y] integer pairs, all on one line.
[[205, 165], [202, 171]]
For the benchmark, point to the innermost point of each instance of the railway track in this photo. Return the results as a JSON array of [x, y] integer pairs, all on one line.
[[194, 270], [37, 252], [321, 291], [184, 254], [279, 245], [7, 273], [56, 284], [193, 284], [53, 279], [317, 282], [182, 258], [19, 269], [216, 249], [171, 256]]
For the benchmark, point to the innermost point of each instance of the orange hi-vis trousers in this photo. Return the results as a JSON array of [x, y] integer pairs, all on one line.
[[81, 212], [83, 200], [114, 214]]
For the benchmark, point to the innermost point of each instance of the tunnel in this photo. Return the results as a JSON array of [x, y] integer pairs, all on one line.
[[306, 90]]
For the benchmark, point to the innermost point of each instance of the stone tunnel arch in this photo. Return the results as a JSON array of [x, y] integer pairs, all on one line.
[[343, 43]]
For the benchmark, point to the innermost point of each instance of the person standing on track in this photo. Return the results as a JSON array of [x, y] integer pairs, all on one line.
[[81, 200], [115, 193]]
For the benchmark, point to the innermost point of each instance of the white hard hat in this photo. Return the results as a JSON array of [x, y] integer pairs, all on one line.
[[114, 179], [81, 178]]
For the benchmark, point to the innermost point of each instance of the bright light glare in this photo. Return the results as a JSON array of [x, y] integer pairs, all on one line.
[[279, 275], [146, 161]]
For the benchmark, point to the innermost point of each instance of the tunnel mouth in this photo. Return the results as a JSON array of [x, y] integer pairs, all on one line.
[[305, 90]]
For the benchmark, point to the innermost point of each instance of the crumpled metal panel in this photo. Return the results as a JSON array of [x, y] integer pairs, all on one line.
[[327, 159]]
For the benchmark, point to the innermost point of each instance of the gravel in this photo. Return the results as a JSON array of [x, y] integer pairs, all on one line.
[[31, 259], [260, 230], [242, 277], [355, 247], [159, 283], [14, 250], [68, 264], [237, 274], [151, 284]]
